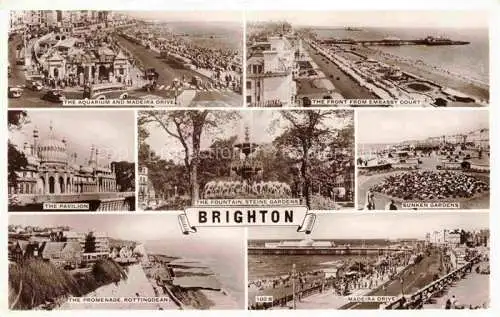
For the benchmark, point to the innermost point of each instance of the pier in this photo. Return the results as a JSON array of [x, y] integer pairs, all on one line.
[[324, 250], [429, 41]]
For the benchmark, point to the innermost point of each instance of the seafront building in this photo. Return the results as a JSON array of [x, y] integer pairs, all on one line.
[[72, 48], [53, 169], [270, 72], [59, 18], [455, 238], [60, 246]]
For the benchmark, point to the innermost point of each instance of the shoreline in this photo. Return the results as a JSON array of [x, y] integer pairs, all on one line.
[[442, 76], [170, 277]]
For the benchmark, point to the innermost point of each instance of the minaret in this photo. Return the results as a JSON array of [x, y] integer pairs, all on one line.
[[109, 161], [96, 157], [91, 160], [51, 130], [35, 141]]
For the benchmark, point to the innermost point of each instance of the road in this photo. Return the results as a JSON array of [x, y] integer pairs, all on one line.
[[414, 278], [212, 98], [29, 98], [345, 85], [168, 72]]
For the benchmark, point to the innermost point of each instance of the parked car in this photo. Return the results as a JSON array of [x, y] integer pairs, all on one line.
[[35, 85], [54, 95], [149, 87], [15, 92]]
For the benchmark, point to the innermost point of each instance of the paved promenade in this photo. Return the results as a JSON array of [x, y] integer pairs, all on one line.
[[473, 290]]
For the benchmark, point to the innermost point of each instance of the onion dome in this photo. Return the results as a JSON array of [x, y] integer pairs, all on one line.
[[51, 150]]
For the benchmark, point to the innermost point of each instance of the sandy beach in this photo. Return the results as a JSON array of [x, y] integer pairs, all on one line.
[[436, 74]]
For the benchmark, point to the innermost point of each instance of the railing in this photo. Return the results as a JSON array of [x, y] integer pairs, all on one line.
[[267, 103], [282, 301], [417, 299]]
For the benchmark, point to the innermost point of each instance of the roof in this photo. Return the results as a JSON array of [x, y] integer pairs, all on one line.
[[51, 248], [72, 246], [105, 51], [120, 55], [23, 244]]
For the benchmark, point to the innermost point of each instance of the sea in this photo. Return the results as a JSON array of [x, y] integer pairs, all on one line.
[[471, 61], [224, 35], [225, 262], [369, 148], [269, 266]]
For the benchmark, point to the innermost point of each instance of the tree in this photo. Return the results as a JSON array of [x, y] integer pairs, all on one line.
[[187, 127], [90, 244], [308, 136], [125, 175], [16, 160]]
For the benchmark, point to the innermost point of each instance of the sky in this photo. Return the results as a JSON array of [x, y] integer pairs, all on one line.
[[262, 130], [258, 122], [378, 226], [381, 126], [136, 227], [404, 19], [112, 132], [190, 16]]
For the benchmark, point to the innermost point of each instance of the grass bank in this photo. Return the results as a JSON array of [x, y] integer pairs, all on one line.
[[34, 282]]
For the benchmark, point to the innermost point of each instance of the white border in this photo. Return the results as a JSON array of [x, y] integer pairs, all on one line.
[[490, 5]]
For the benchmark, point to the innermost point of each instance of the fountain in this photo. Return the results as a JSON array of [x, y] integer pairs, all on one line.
[[244, 174]]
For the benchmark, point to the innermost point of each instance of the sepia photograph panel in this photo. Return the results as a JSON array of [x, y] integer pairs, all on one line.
[[122, 261], [138, 58], [185, 156], [421, 159], [71, 160], [373, 261], [367, 58]]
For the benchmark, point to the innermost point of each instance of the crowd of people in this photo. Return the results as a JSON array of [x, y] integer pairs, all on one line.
[[356, 275], [223, 64], [303, 279], [431, 185]]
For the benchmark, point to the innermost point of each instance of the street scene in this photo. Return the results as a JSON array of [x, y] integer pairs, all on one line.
[[365, 261], [134, 262], [56, 56], [185, 156], [419, 159], [55, 159], [422, 58]]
